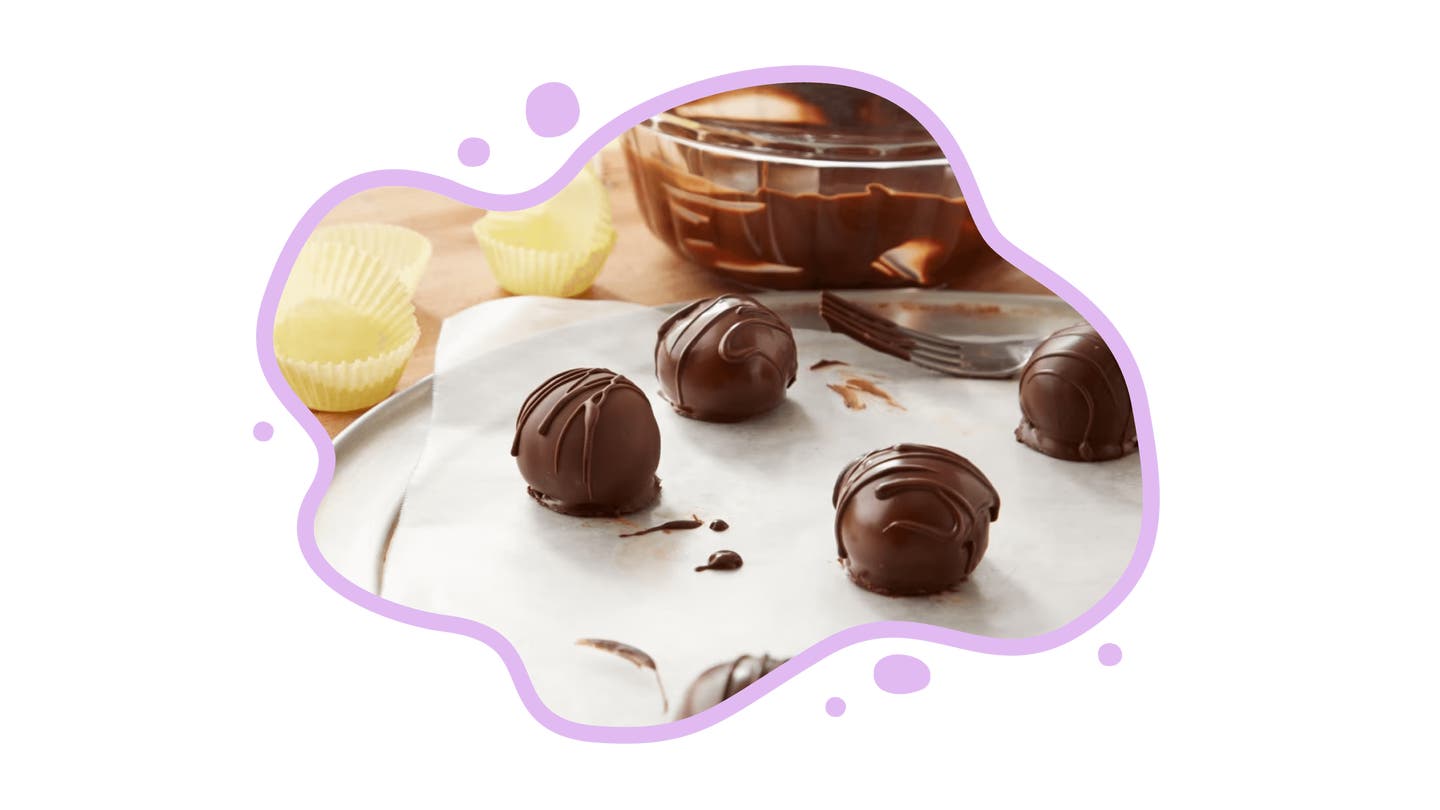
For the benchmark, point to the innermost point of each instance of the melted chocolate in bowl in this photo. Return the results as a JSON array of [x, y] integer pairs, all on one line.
[[803, 187]]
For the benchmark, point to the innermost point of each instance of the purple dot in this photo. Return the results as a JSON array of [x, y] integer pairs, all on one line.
[[901, 674], [263, 431], [835, 707], [552, 109], [1109, 654], [473, 151]]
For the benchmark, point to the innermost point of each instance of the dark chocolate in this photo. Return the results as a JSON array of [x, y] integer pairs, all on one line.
[[669, 526], [787, 241], [722, 560], [725, 359], [634, 655], [587, 443], [1074, 403], [833, 218], [718, 525], [912, 519], [819, 364], [723, 681]]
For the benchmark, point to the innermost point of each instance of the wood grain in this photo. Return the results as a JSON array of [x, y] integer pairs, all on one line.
[[641, 268]]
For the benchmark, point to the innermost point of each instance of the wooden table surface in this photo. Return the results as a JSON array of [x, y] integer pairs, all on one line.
[[641, 268]]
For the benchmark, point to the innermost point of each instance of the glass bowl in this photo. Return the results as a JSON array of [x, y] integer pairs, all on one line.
[[804, 186]]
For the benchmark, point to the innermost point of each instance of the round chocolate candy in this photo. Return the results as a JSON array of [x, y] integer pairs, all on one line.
[[587, 444], [725, 359], [1073, 401], [912, 519]]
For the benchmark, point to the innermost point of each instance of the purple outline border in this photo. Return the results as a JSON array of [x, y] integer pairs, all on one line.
[[909, 630]]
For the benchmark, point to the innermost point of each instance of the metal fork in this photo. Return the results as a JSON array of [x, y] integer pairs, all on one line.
[[995, 359]]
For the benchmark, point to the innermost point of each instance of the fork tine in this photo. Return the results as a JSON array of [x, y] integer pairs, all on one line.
[[887, 337], [877, 324], [942, 343], [934, 352], [1008, 351], [957, 359], [955, 369], [942, 367], [872, 330], [938, 343], [864, 329]]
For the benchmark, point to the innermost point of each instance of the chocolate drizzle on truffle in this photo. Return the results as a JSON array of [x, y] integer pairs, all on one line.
[[912, 519], [725, 359], [587, 444], [723, 681], [1074, 403]]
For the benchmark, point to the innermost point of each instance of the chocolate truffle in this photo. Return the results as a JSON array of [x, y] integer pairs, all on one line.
[[722, 681], [587, 444], [1073, 401], [725, 359], [912, 519]]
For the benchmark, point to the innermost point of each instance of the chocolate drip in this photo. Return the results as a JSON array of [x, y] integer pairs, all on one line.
[[722, 560], [669, 526]]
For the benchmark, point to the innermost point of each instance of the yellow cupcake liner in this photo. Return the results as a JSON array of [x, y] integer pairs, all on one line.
[[344, 329], [407, 251], [556, 248]]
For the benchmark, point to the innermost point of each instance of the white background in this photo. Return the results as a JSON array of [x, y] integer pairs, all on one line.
[[1247, 190]]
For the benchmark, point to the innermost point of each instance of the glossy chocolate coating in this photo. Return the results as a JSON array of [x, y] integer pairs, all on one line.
[[809, 199], [792, 241], [912, 519], [1074, 404], [722, 560], [725, 359], [723, 681], [587, 444]]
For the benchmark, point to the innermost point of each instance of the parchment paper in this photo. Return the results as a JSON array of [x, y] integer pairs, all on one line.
[[470, 542]]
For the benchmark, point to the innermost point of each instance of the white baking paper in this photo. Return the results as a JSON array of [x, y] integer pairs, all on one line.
[[470, 542]]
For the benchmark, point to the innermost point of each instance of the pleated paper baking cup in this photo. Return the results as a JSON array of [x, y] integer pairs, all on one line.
[[344, 329], [556, 248], [407, 251]]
